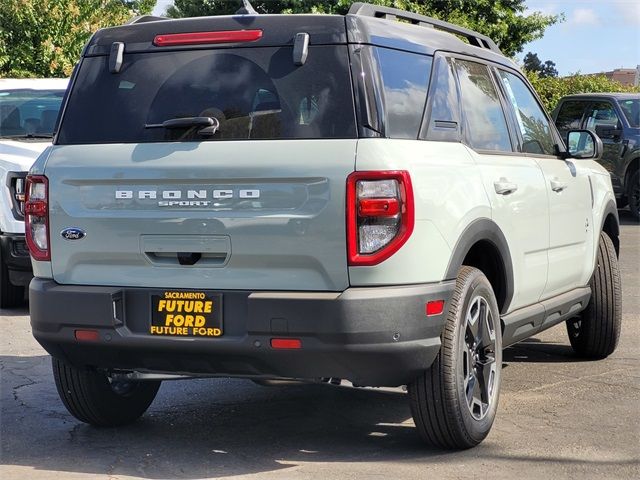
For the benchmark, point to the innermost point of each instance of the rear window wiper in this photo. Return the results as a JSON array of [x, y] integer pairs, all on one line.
[[28, 135], [209, 125]]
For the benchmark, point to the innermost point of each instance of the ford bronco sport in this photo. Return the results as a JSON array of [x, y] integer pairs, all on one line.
[[310, 197]]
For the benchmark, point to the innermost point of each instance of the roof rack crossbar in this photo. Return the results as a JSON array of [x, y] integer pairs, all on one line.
[[474, 38]]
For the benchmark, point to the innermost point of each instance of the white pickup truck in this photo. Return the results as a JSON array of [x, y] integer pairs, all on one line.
[[28, 113]]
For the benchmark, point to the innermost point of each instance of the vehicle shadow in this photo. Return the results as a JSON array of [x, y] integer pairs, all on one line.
[[204, 428], [20, 311], [534, 350]]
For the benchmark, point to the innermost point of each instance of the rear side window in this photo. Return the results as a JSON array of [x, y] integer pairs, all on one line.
[[405, 79], [534, 126], [570, 116], [486, 126], [254, 93]]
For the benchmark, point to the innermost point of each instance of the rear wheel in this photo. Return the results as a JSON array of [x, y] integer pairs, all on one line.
[[10, 295], [633, 194], [91, 397], [454, 403], [595, 332]]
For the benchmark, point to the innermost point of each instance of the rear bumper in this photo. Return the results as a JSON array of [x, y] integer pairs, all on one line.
[[16, 256], [377, 336]]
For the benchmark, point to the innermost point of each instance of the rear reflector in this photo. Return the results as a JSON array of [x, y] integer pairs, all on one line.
[[196, 38], [435, 307], [286, 343], [87, 335]]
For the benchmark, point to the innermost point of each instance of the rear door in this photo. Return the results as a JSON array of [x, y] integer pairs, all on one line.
[[256, 202], [514, 183], [566, 185]]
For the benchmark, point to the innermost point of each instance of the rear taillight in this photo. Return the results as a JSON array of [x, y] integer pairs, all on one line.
[[16, 184], [379, 215], [36, 216]]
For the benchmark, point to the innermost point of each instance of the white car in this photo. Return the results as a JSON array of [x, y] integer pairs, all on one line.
[[28, 113]]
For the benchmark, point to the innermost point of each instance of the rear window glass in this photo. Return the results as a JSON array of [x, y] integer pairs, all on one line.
[[405, 78], [253, 93]]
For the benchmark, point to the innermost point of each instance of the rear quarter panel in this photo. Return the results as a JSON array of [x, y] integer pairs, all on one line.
[[448, 195]]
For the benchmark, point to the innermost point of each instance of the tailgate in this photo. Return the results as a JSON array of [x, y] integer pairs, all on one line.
[[259, 215]]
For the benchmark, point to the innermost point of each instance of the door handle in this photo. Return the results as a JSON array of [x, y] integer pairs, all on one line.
[[504, 187], [558, 186]]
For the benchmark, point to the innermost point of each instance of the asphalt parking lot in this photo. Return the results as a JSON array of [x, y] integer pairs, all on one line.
[[559, 417]]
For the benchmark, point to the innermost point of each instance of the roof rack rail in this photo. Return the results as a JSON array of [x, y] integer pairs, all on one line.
[[476, 39], [145, 19]]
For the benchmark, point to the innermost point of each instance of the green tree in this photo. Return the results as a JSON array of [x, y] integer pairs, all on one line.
[[532, 63], [44, 38], [505, 21], [552, 89]]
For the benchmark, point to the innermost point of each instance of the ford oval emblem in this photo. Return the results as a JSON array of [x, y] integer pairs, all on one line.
[[73, 233]]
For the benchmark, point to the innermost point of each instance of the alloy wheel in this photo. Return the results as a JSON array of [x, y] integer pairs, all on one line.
[[479, 358]]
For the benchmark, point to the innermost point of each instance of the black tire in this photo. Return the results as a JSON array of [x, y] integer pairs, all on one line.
[[91, 398], [439, 401], [596, 331], [633, 194], [10, 295]]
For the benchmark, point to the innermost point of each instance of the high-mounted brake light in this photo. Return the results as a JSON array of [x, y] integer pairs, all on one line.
[[380, 215], [36, 217], [200, 38]]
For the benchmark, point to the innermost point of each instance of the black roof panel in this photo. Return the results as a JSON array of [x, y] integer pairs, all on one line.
[[277, 30], [281, 30]]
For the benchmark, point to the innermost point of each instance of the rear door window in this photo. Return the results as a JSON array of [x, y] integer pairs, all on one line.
[[444, 118], [254, 93], [486, 126], [601, 114]]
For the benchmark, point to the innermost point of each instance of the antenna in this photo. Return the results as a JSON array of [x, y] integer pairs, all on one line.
[[246, 9]]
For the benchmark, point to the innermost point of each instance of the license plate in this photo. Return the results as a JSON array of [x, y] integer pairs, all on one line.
[[187, 314]]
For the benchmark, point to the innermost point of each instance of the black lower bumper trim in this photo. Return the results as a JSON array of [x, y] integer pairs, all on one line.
[[15, 256], [378, 336]]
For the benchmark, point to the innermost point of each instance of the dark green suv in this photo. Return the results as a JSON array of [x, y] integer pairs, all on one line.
[[615, 118]]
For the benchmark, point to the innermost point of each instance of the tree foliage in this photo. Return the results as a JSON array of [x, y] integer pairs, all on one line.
[[552, 89], [44, 38], [505, 21], [533, 64]]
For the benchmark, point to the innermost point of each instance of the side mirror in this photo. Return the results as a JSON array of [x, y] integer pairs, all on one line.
[[583, 144]]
